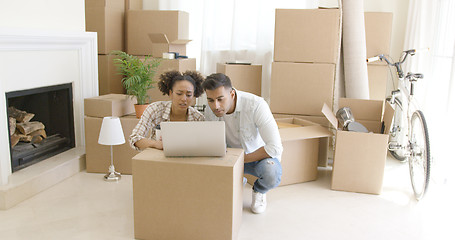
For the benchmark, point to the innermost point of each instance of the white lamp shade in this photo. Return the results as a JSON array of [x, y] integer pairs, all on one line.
[[111, 132]]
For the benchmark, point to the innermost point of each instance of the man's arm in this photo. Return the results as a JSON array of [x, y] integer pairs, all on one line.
[[268, 130], [257, 155]]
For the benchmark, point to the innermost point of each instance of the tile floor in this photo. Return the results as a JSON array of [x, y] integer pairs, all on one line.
[[86, 207]]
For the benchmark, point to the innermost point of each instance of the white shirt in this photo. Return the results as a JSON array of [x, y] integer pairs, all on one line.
[[232, 122], [257, 128]]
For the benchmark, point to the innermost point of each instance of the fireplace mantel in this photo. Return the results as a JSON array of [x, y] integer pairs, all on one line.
[[79, 48]]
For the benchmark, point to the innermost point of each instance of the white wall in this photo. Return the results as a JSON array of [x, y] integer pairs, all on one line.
[[54, 15], [32, 16]]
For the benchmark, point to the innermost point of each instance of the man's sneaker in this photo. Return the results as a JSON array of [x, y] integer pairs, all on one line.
[[259, 202]]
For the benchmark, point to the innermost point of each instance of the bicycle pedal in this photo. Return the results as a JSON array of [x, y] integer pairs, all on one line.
[[394, 146]]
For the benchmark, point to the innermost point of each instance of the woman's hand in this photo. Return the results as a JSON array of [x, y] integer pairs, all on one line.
[[149, 143]]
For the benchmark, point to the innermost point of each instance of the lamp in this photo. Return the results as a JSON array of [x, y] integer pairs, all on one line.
[[111, 133]]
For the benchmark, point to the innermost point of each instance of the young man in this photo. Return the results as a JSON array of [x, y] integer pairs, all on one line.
[[249, 125]]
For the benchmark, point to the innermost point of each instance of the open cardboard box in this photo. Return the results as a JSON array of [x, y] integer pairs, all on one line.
[[304, 144], [140, 23], [161, 44], [359, 158]]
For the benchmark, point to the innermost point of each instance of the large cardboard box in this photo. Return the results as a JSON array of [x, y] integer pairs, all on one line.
[[116, 105], [304, 145], [378, 76], [181, 65], [107, 19], [378, 32], [187, 197], [359, 158], [301, 88], [133, 4], [307, 35], [98, 157], [140, 23], [161, 44], [109, 80], [246, 78]]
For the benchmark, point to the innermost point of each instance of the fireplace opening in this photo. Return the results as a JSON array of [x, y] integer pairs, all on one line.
[[41, 123]]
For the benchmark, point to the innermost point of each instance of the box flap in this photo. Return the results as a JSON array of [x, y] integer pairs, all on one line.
[[180, 41], [304, 132], [158, 38], [282, 125], [387, 117], [363, 109], [330, 116]]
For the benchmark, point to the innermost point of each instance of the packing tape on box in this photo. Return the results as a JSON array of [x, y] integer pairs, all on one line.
[[169, 55], [354, 50]]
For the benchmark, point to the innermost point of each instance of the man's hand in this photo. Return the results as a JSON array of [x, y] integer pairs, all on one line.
[[257, 155]]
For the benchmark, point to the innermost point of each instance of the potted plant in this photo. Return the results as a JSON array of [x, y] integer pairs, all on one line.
[[138, 77]]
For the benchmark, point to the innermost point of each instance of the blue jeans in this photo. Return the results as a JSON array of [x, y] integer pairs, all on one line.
[[268, 171]]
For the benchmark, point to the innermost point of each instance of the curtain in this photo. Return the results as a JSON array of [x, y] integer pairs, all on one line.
[[228, 30], [431, 25]]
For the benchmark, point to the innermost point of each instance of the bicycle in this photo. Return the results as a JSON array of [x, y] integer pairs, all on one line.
[[408, 140]]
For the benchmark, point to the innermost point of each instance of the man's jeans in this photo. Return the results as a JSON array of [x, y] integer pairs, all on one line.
[[268, 171]]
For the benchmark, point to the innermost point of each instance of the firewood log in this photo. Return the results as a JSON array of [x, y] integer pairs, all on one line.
[[28, 127], [14, 139], [12, 125], [20, 116]]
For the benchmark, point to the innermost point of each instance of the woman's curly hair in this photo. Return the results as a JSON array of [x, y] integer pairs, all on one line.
[[168, 79]]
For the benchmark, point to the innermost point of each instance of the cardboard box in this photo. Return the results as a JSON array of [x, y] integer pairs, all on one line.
[[359, 158], [378, 76], [301, 88], [116, 105], [304, 145], [378, 32], [140, 23], [181, 65], [133, 4], [107, 19], [98, 157], [109, 80], [246, 78], [187, 198], [307, 35], [161, 44]]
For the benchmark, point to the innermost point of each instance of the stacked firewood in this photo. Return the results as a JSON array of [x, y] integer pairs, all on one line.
[[22, 129]]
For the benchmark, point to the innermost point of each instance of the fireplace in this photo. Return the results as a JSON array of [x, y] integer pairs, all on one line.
[[47, 113], [34, 60]]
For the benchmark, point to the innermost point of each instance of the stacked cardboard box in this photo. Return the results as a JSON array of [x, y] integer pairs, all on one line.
[[306, 61], [154, 32], [107, 18], [98, 156], [378, 31], [244, 77]]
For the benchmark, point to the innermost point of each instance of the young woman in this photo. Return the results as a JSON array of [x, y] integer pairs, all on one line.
[[182, 88]]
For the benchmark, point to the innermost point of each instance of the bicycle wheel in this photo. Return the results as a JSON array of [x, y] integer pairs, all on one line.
[[398, 131], [419, 160]]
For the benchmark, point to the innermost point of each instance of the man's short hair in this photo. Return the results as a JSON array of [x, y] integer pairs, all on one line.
[[217, 80]]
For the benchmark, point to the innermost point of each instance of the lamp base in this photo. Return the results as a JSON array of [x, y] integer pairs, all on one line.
[[112, 176]]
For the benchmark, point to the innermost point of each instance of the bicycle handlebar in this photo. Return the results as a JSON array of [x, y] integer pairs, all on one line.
[[397, 65]]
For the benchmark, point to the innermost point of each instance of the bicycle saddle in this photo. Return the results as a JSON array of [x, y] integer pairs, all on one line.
[[414, 75]]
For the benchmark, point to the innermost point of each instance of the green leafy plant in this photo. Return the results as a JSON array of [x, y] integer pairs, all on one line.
[[138, 74]]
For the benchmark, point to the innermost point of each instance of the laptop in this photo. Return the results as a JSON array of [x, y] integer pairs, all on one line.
[[193, 139]]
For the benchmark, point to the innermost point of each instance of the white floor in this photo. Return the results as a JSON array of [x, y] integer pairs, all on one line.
[[86, 207]]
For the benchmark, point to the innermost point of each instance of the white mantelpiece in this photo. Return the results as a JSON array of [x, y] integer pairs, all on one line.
[[36, 59]]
